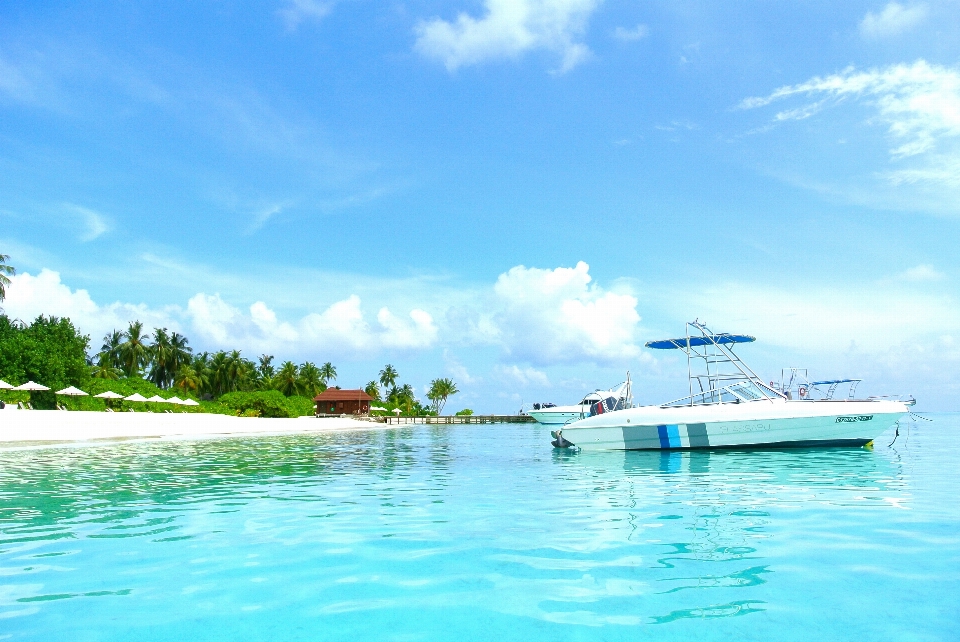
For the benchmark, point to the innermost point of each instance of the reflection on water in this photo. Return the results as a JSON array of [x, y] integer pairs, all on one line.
[[442, 532]]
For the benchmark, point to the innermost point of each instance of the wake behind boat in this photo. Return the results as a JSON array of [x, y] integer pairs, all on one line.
[[729, 406]]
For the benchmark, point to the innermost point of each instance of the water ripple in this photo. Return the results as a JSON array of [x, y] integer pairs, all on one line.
[[451, 532]]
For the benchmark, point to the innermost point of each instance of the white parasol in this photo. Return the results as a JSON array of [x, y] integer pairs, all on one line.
[[190, 402], [378, 408], [31, 386], [157, 399], [109, 394], [5, 386], [176, 400], [135, 397], [72, 392], [398, 411]]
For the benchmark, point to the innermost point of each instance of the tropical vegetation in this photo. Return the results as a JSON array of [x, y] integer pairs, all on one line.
[[52, 351], [49, 351], [440, 390], [6, 271]]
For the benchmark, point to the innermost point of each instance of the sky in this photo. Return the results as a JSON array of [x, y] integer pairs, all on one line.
[[515, 194]]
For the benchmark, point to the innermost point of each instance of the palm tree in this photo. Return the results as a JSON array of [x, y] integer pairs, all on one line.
[[201, 368], [286, 379], [187, 379], [328, 373], [238, 371], [373, 390], [111, 350], [388, 376], [134, 350], [6, 271], [309, 381], [104, 370], [159, 355], [440, 390], [219, 374], [265, 370], [180, 353], [405, 397]]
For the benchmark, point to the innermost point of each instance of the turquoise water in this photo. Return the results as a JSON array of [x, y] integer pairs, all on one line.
[[480, 532]]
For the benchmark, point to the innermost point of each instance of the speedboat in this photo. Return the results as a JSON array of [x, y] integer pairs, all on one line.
[[729, 406], [617, 398]]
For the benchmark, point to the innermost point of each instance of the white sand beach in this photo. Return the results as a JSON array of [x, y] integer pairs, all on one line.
[[40, 427]]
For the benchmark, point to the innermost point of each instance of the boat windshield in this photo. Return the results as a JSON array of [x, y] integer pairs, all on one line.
[[740, 392]]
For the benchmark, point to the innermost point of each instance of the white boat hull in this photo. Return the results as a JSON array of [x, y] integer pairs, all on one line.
[[777, 423]]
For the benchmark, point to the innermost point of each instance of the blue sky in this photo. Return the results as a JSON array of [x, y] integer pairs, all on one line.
[[514, 194]]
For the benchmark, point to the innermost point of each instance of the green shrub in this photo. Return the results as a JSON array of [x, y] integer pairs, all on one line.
[[466, 412], [300, 406], [49, 351], [266, 403]]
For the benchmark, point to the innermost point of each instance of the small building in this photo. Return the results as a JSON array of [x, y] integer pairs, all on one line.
[[334, 401]]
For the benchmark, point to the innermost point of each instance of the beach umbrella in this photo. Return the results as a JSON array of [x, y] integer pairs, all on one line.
[[189, 402], [109, 394], [398, 411], [72, 392], [157, 399], [5, 386], [32, 387], [135, 397], [378, 408], [176, 400]]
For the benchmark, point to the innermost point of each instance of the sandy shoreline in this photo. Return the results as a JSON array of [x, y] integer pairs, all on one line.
[[48, 427]]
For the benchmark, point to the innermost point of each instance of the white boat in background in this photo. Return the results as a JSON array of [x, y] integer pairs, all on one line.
[[729, 406], [617, 398]]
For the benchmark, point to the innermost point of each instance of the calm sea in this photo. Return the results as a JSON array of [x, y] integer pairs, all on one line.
[[480, 532]]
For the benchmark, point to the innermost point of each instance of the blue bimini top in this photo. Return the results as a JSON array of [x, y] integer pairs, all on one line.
[[724, 337]]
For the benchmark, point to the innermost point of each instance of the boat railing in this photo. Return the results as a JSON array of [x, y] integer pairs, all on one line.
[[739, 392]]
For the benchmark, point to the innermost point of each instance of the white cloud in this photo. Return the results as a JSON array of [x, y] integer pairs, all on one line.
[[920, 103], [341, 329], [418, 332], [509, 28], [458, 371], [30, 296], [94, 222], [296, 11], [540, 316], [552, 316], [893, 20], [924, 272], [631, 35], [516, 376]]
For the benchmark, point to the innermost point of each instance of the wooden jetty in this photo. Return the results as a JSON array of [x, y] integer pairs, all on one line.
[[460, 419]]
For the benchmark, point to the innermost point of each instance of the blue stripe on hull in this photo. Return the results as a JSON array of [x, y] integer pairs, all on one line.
[[664, 437], [669, 436]]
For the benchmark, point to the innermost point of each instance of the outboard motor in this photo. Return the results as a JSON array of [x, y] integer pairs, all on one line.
[[559, 441]]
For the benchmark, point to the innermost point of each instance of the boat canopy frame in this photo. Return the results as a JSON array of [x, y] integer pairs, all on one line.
[[807, 390], [719, 374]]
